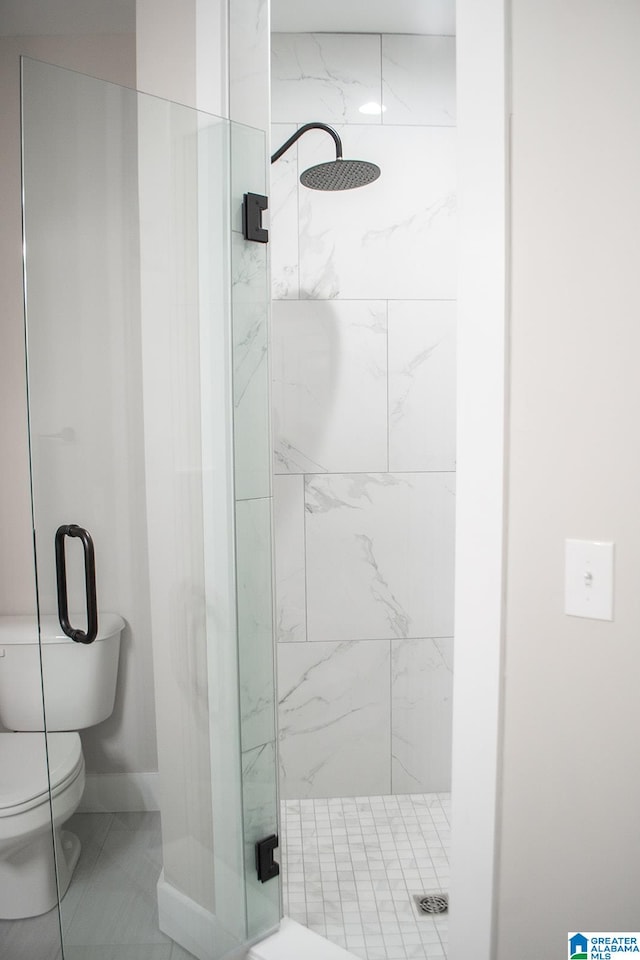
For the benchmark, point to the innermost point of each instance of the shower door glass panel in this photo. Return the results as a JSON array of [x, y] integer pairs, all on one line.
[[146, 328], [252, 458]]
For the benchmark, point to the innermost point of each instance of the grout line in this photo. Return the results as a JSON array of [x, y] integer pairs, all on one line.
[[388, 394], [339, 300], [351, 845], [304, 542], [298, 213], [390, 714], [363, 473], [382, 123], [291, 643]]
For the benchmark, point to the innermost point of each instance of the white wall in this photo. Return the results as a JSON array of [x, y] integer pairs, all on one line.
[[364, 415], [569, 841], [126, 742], [111, 57]]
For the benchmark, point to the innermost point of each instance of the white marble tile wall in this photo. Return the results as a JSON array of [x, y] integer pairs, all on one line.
[[334, 718], [248, 52], [290, 570], [422, 684], [363, 367], [394, 239], [419, 80], [324, 76], [329, 364], [283, 211], [422, 385], [379, 552]]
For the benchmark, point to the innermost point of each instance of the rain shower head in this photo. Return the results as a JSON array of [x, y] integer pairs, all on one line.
[[340, 174], [337, 174]]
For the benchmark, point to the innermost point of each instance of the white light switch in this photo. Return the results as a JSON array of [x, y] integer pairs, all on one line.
[[588, 586]]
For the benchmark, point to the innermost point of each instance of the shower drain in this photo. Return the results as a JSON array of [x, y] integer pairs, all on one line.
[[433, 903]]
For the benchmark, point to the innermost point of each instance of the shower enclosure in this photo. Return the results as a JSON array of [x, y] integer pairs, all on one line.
[[146, 328]]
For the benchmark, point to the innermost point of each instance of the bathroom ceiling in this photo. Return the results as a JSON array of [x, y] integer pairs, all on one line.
[[370, 16], [25, 18]]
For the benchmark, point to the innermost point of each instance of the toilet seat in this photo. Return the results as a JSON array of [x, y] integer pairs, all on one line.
[[24, 783]]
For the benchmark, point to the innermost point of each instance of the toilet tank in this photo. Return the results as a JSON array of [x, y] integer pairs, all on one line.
[[79, 679]]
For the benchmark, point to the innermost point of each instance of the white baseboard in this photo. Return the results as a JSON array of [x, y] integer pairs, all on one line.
[[114, 792], [295, 942], [196, 930]]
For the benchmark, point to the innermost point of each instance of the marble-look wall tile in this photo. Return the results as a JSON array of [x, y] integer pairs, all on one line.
[[247, 161], [255, 622], [329, 386], [419, 80], [324, 76], [334, 719], [378, 547], [421, 712], [379, 555], [288, 514], [283, 216], [422, 385], [248, 56], [394, 239], [260, 809], [250, 323]]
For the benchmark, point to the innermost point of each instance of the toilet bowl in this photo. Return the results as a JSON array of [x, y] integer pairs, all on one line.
[[27, 861], [42, 777]]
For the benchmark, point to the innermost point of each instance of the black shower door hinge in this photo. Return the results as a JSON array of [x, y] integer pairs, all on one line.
[[252, 208], [265, 864]]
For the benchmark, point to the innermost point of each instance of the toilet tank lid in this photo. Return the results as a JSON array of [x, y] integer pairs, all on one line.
[[23, 764], [24, 629]]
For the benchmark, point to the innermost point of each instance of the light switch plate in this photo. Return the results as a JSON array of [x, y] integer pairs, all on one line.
[[589, 579]]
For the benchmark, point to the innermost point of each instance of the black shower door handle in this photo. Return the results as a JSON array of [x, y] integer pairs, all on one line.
[[73, 530]]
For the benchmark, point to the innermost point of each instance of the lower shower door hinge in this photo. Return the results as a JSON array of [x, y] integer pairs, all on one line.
[[265, 864], [252, 208]]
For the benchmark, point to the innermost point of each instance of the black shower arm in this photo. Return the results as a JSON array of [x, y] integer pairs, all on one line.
[[296, 136]]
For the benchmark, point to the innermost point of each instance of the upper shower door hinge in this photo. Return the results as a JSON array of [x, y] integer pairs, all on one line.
[[252, 208]]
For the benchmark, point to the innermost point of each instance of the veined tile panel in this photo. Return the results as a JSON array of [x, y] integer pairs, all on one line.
[[260, 809], [419, 80], [324, 76], [250, 321], [421, 692], [283, 211], [288, 513], [248, 59], [255, 625], [334, 718], [379, 555], [394, 239], [329, 386], [422, 385], [248, 149]]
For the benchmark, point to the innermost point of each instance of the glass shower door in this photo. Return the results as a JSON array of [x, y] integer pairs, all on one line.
[[147, 314]]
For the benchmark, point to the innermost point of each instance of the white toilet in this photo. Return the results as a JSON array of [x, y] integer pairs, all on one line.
[[79, 691]]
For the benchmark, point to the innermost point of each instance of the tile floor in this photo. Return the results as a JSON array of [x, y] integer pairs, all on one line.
[[351, 868], [110, 910]]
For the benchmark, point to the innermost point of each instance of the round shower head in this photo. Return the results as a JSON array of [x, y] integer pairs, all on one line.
[[340, 174]]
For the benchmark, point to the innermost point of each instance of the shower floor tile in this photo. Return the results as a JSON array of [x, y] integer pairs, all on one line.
[[352, 867]]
